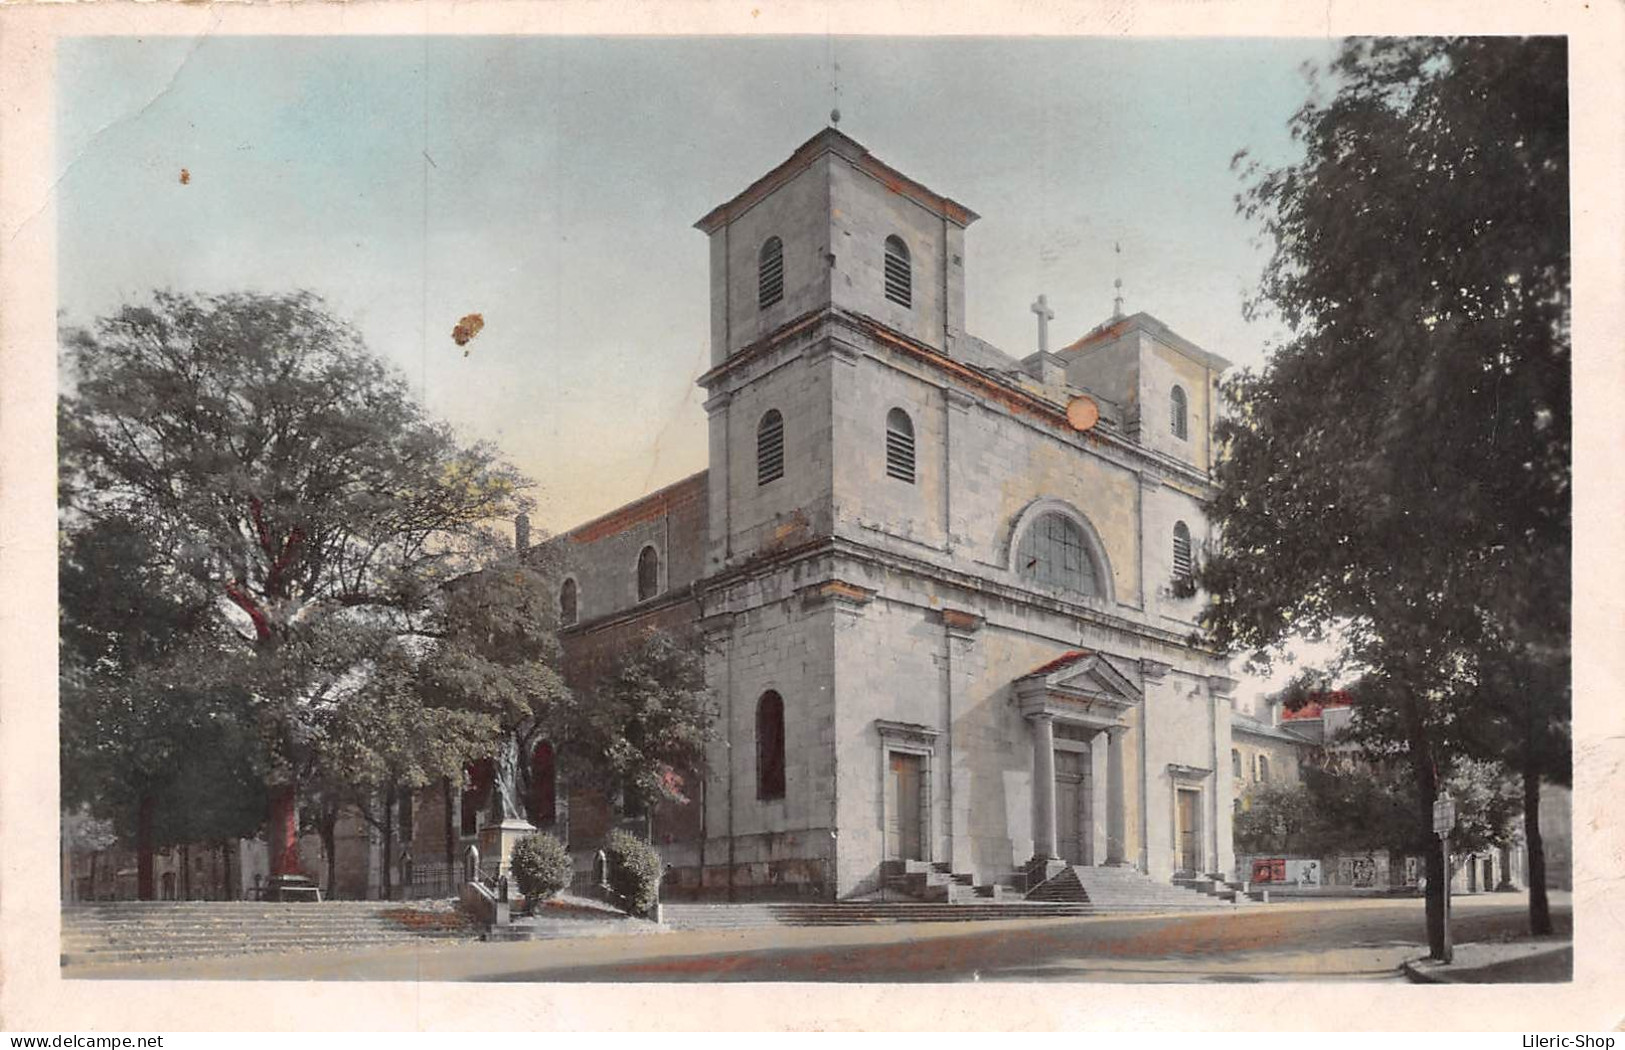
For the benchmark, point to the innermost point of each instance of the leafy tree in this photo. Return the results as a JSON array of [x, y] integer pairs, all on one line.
[[1363, 808], [165, 762], [1400, 468], [643, 727], [293, 482]]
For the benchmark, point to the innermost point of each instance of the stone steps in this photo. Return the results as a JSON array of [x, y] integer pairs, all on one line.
[[130, 931]]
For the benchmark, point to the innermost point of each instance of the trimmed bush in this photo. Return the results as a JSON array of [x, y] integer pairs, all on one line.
[[541, 867], [634, 872]]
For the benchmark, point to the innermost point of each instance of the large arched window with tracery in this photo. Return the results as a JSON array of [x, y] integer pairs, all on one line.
[[1055, 552]]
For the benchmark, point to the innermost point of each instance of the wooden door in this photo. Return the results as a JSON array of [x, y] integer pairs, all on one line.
[[1070, 807], [1190, 832], [904, 838]]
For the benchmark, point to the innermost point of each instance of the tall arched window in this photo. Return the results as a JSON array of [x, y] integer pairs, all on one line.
[[567, 602], [770, 273], [770, 746], [899, 273], [1183, 567], [770, 447], [648, 573], [1263, 770], [1235, 763], [543, 785], [899, 446], [1055, 553], [1177, 414]]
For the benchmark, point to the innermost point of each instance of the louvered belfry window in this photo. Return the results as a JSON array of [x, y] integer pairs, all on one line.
[[648, 573], [1177, 413], [899, 446], [770, 274], [899, 274], [770, 447], [1183, 567]]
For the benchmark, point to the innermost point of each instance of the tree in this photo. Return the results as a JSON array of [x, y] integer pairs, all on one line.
[[165, 762], [1400, 469], [643, 726], [293, 482]]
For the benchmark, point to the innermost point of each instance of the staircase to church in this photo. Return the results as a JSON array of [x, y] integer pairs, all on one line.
[[937, 883], [1121, 891], [133, 931]]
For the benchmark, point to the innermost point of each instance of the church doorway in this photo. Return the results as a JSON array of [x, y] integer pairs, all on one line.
[[1188, 810], [905, 802], [1072, 830]]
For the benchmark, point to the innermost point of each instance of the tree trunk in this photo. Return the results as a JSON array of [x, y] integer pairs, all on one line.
[[1427, 783], [328, 829], [386, 881], [1540, 914], [144, 882], [451, 836]]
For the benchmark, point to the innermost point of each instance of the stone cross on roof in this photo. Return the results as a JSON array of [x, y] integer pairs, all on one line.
[[1045, 316]]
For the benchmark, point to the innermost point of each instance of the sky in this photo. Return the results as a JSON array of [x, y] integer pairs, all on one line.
[[551, 185]]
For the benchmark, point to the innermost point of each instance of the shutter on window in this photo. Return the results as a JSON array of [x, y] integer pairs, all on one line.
[[899, 447], [770, 276], [899, 279], [770, 448]]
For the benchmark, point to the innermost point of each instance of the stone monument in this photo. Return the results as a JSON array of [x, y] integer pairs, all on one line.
[[508, 824]]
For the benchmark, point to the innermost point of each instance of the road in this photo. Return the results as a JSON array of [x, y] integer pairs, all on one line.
[[1346, 940]]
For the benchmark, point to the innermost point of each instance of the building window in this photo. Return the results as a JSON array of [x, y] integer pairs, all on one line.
[[567, 603], [543, 785], [648, 573], [770, 746], [770, 447], [1183, 568], [899, 275], [1263, 770], [770, 273], [1177, 415], [899, 446], [1055, 553], [1237, 804], [1235, 763]]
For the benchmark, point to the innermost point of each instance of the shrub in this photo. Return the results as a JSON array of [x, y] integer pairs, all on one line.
[[634, 872], [541, 867]]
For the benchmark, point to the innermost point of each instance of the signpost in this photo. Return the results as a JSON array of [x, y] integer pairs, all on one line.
[[1444, 821]]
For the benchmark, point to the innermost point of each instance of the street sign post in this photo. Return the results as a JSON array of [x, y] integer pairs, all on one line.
[[1444, 822]]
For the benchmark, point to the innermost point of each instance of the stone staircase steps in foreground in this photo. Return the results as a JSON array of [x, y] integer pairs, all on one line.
[[131, 931]]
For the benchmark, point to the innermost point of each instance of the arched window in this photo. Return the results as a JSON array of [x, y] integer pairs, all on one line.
[[899, 446], [770, 273], [543, 785], [1263, 770], [770, 447], [1177, 414], [899, 274], [770, 746], [567, 602], [648, 573], [1235, 763], [1055, 553], [1183, 567]]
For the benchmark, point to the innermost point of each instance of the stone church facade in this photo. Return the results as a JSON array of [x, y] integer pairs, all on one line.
[[937, 585]]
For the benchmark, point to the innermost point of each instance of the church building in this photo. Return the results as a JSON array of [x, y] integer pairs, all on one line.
[[942, 589]]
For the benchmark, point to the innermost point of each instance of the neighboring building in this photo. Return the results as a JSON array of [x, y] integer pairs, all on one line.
[[936, 583]]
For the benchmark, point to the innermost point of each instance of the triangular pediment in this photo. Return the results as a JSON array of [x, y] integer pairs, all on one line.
[[1095, 677]]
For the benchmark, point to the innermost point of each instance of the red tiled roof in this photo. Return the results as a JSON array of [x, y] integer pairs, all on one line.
[[1066, 659], [1314, 708]]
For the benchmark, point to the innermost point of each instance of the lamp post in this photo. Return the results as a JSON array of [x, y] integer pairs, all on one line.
[[1444, 821]]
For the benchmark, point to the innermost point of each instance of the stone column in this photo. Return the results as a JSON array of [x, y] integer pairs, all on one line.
[[1116, 809], [1044, 786]]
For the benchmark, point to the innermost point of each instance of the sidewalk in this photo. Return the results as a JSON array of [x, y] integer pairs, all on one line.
[[1542, 960]]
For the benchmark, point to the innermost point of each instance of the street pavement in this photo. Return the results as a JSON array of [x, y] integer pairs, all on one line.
[[1331, 940]]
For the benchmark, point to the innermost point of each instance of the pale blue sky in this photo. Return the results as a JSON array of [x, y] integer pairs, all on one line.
[[566, 175]]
